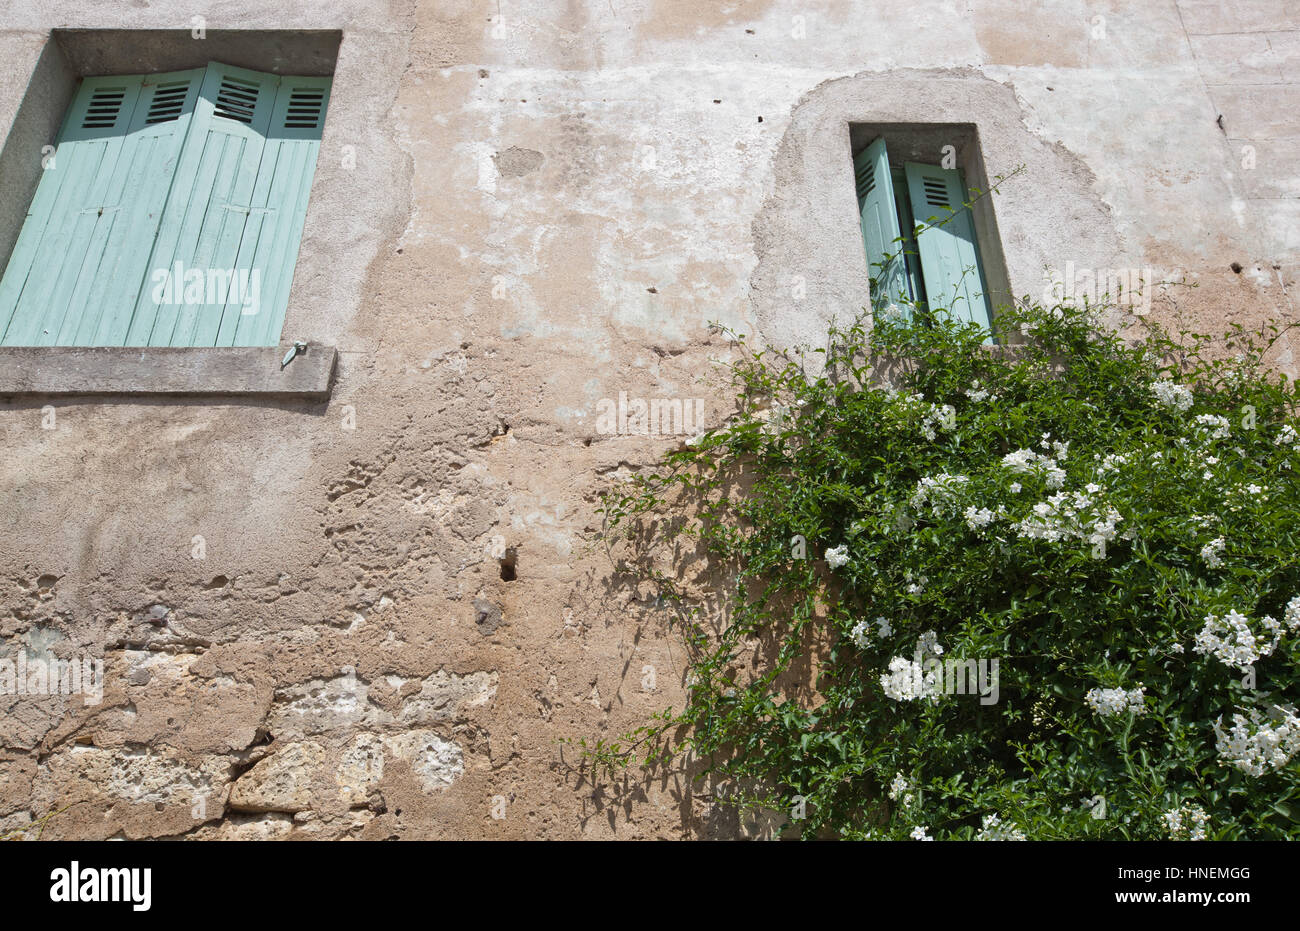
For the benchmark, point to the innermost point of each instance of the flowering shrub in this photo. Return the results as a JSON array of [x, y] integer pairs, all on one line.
[[966, 582]]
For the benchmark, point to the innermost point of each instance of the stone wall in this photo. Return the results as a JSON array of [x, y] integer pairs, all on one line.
[[381, 616]]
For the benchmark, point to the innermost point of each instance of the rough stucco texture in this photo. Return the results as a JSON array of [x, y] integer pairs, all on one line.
[[300, 607]]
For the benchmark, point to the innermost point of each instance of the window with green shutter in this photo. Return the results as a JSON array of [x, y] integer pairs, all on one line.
[[170, 214], [919, 237]]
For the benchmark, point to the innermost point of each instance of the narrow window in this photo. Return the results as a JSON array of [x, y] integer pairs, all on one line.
[[919, 237]]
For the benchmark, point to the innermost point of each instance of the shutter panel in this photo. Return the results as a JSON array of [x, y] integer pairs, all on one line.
[[100, 312], [51, 247], [82, 252], [278, 209], [880, 227], [194, 278], [950, 264]]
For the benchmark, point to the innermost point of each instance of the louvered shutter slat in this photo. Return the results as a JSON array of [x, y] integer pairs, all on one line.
[[880, 227], [950, 263]]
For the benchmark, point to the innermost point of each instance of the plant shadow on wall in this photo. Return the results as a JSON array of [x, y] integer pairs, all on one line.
[[938, 589]]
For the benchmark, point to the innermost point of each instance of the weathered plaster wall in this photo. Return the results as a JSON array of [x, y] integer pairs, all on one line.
[[546, 209]]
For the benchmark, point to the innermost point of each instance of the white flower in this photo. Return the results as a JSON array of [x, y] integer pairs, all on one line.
[[1253, 489], [928, 642], [861, 634], [838, 556], [1111, 463], [1021, 461], [1287, 437], [939, 491], [1028, 462], [1233, 641], [942, 418], [907, 681], [1215, 426], [900, 790], [979, 518], [883, 627], [1256, 744], [1171, 394], [1015, 488], [1291, 617], [1211, 551], [1070, 516], [1106, 703], [1187, 822], [995, 829], [918, 833], [977, 393]]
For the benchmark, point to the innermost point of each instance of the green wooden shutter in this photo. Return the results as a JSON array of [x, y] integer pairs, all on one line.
[[950, 264], [236, 216], [81, 255], [195, 280], [278, 208], [880, 229]]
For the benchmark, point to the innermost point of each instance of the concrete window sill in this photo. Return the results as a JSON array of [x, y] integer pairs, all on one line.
[[208, 371]]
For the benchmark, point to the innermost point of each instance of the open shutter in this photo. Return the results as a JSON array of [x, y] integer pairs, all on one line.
[[880, 228], [950, 264], [92, 221]]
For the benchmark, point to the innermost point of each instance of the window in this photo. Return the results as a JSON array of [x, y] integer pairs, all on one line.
[[169, 214], [919, 236]]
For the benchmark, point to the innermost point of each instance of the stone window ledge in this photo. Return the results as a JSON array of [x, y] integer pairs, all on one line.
[[208, 371]]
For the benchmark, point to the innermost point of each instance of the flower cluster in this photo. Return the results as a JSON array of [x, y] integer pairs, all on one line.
[[939, 418], [978, 393], [1232, 640], [928, 642], [1287, 437], [1109, 702], [939, 491], [1171, 394], [979, 518], [907, 681], [1211, 553], [1187, 822], [1028, 462], [837, 556], [900, 790], [1065, 516], [1255, 744], [1214, 426], [996, 829], [1291, 616], [1111, 462], [861, 634]]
